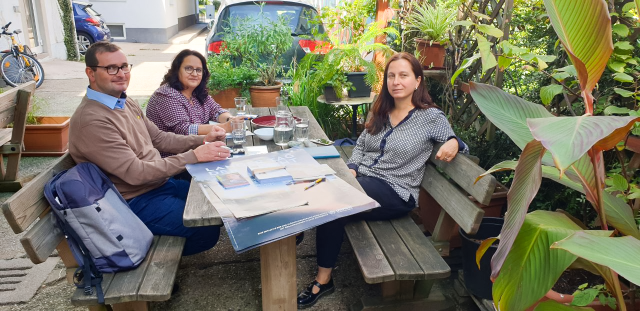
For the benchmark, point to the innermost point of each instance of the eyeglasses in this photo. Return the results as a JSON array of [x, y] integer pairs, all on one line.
[[113, 69], [191, 70]]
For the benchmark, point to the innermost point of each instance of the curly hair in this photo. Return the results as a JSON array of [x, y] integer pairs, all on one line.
[[172, 77], [385, 102]]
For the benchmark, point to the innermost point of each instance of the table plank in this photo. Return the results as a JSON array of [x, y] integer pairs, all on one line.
[[198, 211]]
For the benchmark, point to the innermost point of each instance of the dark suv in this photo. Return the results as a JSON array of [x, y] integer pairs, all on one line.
[[298, 13]]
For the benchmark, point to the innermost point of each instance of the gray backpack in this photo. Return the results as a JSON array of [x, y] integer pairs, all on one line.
[[104, 235]]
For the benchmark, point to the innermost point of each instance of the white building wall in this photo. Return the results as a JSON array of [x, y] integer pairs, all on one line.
[[51, 32]]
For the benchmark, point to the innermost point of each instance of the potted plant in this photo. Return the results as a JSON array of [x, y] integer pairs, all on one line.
[[259, 44], [227, 81], [45, 136], [432, 23], [352, 41], [536, 248]]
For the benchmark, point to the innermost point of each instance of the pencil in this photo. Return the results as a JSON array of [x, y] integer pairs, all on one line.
[[319, 180]]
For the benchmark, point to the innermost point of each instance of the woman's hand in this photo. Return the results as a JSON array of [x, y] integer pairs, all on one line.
[[353, 172], [216, 134], [448, 150]]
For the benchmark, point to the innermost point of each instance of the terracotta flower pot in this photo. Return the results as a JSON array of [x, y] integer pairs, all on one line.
[[431, 54], [49, 138], [225, 98], [264, 96]]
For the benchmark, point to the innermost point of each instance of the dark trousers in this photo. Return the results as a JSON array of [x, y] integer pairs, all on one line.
[[161, 209], [329, 236]]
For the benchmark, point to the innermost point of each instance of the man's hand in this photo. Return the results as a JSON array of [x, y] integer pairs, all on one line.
[[216, 134], [448, 151], [212, 152]]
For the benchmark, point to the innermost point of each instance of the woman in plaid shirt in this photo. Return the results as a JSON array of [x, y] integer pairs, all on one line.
[[182, 104]]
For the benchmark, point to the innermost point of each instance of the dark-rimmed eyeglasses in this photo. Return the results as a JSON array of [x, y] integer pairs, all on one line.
[[191, 70], [113, 69]]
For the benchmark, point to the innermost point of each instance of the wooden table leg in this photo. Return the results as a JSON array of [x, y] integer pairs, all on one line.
[[278, 270]]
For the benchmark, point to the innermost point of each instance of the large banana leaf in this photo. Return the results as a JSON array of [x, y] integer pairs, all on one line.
[[619, 214], [531, 268], [619, 254], [569, 138], [584, 28], [508, 112], [526, 182]]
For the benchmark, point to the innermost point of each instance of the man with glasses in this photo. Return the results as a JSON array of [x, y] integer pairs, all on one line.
[[110, 130]]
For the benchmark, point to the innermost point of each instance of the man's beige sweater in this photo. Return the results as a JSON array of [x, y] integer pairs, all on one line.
[[126, 145]]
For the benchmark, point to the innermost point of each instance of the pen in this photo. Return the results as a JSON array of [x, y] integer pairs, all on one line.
[[295, 182], [319, 180]]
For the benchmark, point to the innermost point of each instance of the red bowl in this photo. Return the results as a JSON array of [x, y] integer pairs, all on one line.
[[267, 121]]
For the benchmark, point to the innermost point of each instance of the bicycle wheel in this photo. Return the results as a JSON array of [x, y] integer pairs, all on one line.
[[21, 69]]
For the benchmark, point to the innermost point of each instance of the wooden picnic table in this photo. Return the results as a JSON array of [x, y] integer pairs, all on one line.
[[277, 259]]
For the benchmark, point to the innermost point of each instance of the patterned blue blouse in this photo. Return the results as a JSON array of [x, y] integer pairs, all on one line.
[[398, 154]]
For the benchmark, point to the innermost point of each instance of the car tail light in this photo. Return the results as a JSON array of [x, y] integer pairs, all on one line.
[[215, 47], [93, 21], [315, 46]]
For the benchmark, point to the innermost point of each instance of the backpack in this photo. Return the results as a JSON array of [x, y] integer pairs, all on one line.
[[104, 235]]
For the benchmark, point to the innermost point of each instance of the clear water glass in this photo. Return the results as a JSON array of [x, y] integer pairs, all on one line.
[[241, 106], [283, 129], [302, 129], [238, 132]]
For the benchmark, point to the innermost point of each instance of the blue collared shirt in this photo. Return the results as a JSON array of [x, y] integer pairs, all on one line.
[[107, 100]]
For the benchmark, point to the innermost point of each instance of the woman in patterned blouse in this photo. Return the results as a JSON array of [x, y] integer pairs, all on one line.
[[388, 160], [182, 104]]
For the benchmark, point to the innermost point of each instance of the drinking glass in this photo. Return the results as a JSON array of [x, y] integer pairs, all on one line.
[[238, 132], [302, 129], [283, 129], [241, 106]]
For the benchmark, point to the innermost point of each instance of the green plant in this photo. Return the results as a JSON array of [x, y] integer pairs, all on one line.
[[66, 15], [259, 44], [585, 295], [536, 248], [35, 109], [225, 76], [432, 22]]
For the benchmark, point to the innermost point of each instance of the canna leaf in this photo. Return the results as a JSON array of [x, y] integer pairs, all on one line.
[[585, 32], [484, 246], [526, 182]]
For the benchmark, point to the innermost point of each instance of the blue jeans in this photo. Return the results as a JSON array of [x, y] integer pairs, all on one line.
[[161, 209], [329, 236]]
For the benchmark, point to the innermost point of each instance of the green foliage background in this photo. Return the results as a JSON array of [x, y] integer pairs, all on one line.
[[66, 15]]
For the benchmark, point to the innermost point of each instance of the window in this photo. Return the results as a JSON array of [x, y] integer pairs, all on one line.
[[117, 31]]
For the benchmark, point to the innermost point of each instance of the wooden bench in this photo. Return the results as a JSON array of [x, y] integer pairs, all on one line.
[[131, 290], [399, 256], [14, 105]]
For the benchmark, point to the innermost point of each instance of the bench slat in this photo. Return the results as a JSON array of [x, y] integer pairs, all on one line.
[[161, 273], [343, 155], [8, 101], [125, 285], [402, 262], [80, 299], [40, 241], [26, 205], [422, 250], [373, 264], [198, 211], [5, 135], [464, 172], [452, 199]]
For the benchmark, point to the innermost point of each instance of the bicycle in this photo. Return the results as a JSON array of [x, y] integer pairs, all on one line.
[[18, 64]]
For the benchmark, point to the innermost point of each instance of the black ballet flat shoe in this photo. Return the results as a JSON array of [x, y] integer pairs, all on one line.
[[306, 299], [299, 238]]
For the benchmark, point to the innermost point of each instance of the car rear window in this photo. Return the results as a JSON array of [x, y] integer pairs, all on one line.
[[91, 11], [297, 16]]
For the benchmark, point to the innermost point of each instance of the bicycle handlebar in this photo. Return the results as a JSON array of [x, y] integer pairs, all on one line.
[[4, 29]]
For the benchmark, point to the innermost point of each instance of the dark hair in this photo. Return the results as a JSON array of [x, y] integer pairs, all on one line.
[[90, 57], [385, 103], [173, 80]]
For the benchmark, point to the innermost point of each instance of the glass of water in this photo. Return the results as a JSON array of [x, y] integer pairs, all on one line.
[[283, 129], [241, 106], [302, 129], [238, 132]]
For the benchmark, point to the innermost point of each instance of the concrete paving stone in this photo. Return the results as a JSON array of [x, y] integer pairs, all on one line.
[[25, 286]]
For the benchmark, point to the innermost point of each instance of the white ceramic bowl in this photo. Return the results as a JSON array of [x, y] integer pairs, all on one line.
[[265, 133]]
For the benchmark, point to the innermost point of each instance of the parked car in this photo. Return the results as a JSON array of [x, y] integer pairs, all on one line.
[[298, 12], [90, 27]]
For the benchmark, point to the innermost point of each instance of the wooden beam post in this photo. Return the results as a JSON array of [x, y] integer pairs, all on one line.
[[278, 269]]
